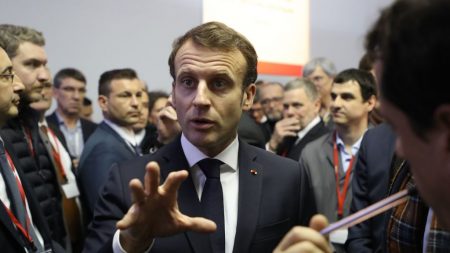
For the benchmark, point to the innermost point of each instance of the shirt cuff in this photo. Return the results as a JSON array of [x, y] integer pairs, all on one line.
[[268, 148], [117, 247]]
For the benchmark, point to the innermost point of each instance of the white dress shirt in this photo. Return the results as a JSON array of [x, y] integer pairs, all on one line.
[[229, 178], [346, 157], [126, 134], [306, 129]]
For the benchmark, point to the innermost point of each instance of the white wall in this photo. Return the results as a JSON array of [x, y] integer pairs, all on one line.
[[99, 35]]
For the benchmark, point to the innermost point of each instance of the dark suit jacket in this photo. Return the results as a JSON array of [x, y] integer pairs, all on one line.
[[103, 149], [269, 204], [251, 132], [289, 150], [10, 238], [87, 127], [370, 184]]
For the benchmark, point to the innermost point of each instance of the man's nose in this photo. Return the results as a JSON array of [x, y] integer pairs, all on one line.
[[202, 94], [18, 86]]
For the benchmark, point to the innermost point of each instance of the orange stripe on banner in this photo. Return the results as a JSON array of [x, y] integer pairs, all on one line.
[[270, 68]]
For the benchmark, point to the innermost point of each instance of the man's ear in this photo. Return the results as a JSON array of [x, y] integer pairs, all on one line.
[[248, 96], [372, 101], [442, 123], [171, 99], [103, 102]]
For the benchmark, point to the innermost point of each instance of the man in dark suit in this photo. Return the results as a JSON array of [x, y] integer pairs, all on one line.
[[69, 89], [271, 98], [26, 48], [370, 184], [11, 238], [114, 140], [264, 195], [411, 43], [301, 122]]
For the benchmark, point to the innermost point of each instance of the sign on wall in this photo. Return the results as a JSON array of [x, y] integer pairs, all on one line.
[[278, 29]]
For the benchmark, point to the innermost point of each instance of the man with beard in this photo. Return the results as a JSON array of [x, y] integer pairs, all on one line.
[[25, 47]]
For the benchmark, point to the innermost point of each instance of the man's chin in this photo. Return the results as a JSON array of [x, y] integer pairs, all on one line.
[[13, 112], [31, 98]]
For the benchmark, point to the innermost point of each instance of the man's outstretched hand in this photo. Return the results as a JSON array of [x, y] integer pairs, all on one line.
[[155, 212]]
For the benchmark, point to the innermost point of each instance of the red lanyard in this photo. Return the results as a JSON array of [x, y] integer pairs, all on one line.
[[29, 141], [341, 193], [56, 153], [25, 232]]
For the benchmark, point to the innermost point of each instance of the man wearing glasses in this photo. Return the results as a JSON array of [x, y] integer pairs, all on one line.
[[25, 47], [272, 104], [23, 227]]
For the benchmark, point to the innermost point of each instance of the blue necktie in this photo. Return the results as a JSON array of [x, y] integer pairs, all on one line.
[[17, 205], [212, 201]]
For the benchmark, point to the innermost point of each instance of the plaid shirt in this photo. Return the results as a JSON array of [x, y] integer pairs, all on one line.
[[407, 222]]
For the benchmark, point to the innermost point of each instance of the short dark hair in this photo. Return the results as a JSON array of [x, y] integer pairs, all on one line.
[[367, 62], [11, 36], [153, 96], [107, 77], [365, 80], [414, 45], [218, 36], [68, 73]]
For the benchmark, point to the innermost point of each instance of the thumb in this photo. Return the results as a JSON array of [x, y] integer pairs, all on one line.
[[318, 222]]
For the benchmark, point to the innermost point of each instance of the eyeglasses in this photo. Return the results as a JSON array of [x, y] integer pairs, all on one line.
[[7, 78]]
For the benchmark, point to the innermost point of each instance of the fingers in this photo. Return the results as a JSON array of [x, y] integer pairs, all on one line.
[[152, 178], [137, 191], [199, 225], [128, 219], [318, 222], [304, 239], [168, 112], [173, 181]]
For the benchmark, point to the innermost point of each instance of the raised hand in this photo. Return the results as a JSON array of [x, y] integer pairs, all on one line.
[[283, 128], [155, 212]]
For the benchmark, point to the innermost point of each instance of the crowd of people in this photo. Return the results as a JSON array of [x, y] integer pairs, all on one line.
[[225, 162]]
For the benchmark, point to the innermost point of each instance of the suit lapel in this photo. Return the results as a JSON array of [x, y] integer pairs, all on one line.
[[188, 201], [250, 189], [328, 150], [7, 223], [113, 133]]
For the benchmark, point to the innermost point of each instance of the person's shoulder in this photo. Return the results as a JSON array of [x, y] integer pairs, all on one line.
[[265, 157], [317, 143], [88, 123], [381, 130], [52, 117]]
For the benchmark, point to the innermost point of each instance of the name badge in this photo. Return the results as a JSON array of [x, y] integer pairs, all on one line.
[[71, 190], [339, 236]]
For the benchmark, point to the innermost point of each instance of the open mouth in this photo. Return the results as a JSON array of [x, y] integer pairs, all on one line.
[[202, 123]]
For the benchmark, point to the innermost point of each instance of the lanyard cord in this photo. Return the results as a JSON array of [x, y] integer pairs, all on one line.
[[341, 193]]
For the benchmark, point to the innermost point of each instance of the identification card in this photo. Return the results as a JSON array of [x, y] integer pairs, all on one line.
[[339, 236], [71, 190]]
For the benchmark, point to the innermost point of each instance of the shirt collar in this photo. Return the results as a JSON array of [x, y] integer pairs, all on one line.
[[61, 120], [308, 127], [355, 146], [228, 156], [139, 136], [126, 134]]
